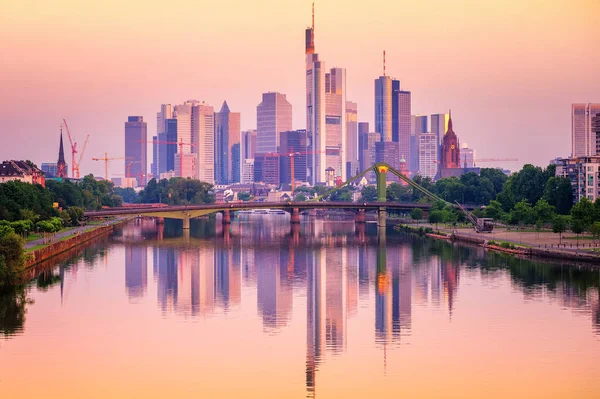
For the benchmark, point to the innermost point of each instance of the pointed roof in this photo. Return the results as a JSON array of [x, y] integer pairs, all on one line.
[[450, 123], [225, 108], [61, 151]]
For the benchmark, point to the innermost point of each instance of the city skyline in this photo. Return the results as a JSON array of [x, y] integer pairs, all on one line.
[[507, 81]]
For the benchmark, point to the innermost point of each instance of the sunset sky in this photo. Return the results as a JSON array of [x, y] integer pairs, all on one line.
[[509, 70]]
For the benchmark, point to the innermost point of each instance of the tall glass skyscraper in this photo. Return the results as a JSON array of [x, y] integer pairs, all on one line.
[[273, 116], [583, 139], [135, 148], [227, 135]]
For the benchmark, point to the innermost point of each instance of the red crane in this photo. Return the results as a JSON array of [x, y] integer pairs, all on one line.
[[73, 149], [180, 143]]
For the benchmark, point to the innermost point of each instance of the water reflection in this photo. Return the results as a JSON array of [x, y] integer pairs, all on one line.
[[332, 269]]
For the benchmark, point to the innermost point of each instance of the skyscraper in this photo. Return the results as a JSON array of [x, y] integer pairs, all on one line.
[[183, 114], [388, 152], [366, 149], [404, 112], [293, 142], [315, 107], [351, 148], [596, 130], [160, 149], [439, 126], [335, 121], [61, 165], [227, 135], [135, 148], [583, 139], [428, 154], [169, 136], [203, 140], [248, 144], [386, 101], [273, 116]]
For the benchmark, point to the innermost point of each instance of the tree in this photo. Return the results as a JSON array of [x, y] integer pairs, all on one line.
[[543, 211], [244, 196], [595, 230], [344, 194], [416, 214], [436, 216], [368, 194], [426, 183], [494, 210], [583, 212], [300, 197], [496, 176], [559, 193], [559, 225], [128, 194], [577, 227], [396, 192], [76, 213], [12, 258], [450, 189], [522, 213]]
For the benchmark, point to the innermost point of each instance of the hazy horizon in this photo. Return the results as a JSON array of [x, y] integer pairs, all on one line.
[[508, 70]]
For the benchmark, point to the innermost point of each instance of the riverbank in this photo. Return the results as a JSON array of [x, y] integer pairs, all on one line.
[[76, 238], [501, 242]]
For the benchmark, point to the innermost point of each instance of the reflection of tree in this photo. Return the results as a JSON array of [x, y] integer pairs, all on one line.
[[47, 279], [12, 310]]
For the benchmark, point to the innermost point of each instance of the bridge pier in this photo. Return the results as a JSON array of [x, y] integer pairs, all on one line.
[[186, 222], [226, 217], [382, 217], [295, 216], [360, 217]]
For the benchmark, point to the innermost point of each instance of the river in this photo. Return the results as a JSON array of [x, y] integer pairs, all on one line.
[[326, 311]]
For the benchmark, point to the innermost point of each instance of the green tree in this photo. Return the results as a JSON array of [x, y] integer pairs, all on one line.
[[436, 216], [543, 211], [451, 189], [595, 230], [494, 210], [12, 258], [426, 183], [342, 195], [583, 212], [300, 197], [559, 193], [368, 194], [522, 214], [396, 192], [416, 214], [244, 196], [559, 225], [128, 194], [577, 227], [496, 176], [76, 213]]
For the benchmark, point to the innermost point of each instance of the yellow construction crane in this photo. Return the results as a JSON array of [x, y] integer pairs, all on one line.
[[106, 159]]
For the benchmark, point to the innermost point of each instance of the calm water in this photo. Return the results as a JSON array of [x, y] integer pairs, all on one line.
[[326, 312]]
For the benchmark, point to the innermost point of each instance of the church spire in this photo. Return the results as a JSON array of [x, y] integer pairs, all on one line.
[[450, 122], [61, 151]]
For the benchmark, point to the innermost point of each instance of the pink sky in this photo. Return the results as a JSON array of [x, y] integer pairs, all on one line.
[[508, 69]]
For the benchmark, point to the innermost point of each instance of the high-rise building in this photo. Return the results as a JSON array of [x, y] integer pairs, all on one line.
[[367, 149], [248, 144], [183, 114], [439, 126], [203, 140], [61, 165], [236, 164], [388, 152], [159, 147], [351, 148], [170, 136], [583, 139], [135, 149], [467, 156], [273, 116], [335, 122], [363, 128], [386, 102], [428, 154], [404, 131], [596, 130], [266, 168], [248, 171], [293, 142], [185, 165], [418, 126], [227, 134]]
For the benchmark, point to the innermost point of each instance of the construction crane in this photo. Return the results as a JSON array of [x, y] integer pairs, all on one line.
[[180, 143], [292, 155], [73, 148], [128, 168], [106, 159], [76, 165]]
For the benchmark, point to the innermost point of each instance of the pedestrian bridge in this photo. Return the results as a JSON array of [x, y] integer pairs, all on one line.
[[187, 212]]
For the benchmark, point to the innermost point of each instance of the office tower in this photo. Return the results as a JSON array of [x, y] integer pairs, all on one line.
[[428, 154], [404, 112], [335, 122], [61, 165], [248, 144], [583, 139], [203, 140], [236, 165], [467, 156], [439, 126], [418, 125], [388, 152], [248, 171], [386, 103], [170, 136], [227, 134], [367, 149], [186, 165], [159, 146], [596, 130], [135, 148], [293, 142], [273, 116], [315, 108], [351, 148], [183, 114], [266, 168]]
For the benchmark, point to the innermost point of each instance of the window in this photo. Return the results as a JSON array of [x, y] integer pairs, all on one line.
[[332, 120]]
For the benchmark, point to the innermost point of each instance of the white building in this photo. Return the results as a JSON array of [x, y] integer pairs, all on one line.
[[185, 165], [584, 174], [248, 171], [428, 154], [203, 140]]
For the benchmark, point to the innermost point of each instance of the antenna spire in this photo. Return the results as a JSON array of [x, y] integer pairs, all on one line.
[[383, 62], [313, 16]]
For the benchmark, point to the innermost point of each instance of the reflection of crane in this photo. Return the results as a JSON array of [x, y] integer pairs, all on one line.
[[106, 159], [76, 165], [180, 143]]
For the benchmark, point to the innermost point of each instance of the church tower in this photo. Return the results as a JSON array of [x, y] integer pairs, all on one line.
[[450, 149], [61, 165]]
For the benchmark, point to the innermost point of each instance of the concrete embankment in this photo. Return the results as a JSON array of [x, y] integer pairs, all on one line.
[[42, 254]]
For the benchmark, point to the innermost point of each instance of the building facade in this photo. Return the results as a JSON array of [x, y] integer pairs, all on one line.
[[583, 138], [367, 149], [23, 171], [49, 169], [293, 143], [248, 144], [404, 127], [273, 116], [584, 174], [61, 166], [185, 165], [428, 154], [388, 152], [266, 168], [467, 156], [248, 171], [596, 130], [136, 137], [335, 122], [351, 148], [386, 107], [227, 135], [439, 125], [159, 146], [203, 141]]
